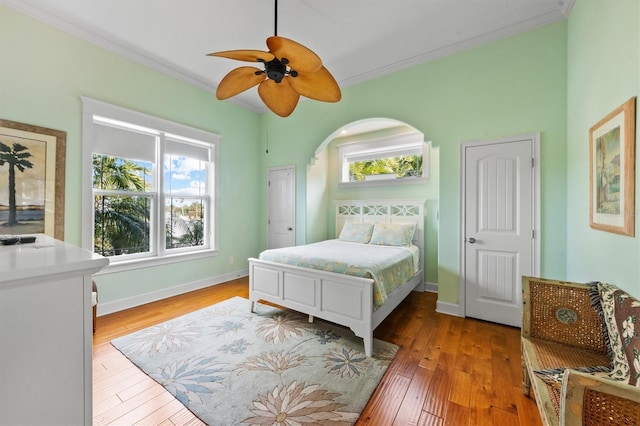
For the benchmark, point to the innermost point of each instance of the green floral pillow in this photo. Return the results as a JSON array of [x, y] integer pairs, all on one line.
[[393, 234], [621, 314], [356, 232]]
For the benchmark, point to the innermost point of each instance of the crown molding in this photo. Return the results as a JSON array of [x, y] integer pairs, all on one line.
[[122, 49], [467, 44], [172, 70], [566, 6]]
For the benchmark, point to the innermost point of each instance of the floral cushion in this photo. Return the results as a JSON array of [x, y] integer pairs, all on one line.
[[393, 234], [621, 314], [356, 232]]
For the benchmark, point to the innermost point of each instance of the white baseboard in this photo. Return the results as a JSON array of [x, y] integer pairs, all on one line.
[[425, 286], [449, 309], [141, 299], [431, 287]]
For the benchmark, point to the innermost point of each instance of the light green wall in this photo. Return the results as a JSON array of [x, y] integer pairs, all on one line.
[[603, 72], [510, 87], [43, 74]]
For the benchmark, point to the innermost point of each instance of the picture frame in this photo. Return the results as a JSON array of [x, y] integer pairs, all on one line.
[[37, 156], [612, 171]]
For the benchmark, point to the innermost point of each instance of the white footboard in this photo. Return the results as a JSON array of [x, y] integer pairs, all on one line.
[[339, 298]]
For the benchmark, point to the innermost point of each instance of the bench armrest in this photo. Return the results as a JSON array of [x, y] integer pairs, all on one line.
[[561, 311], [592, 400]]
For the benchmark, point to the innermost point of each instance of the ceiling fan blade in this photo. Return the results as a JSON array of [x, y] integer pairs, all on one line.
[[245, 55], [319, 85], [279, 97], [238, 80], [301, 58]]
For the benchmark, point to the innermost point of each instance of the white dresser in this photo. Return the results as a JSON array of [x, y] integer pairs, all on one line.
[[46, 333]]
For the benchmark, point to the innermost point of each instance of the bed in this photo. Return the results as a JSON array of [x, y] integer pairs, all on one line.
[[350, 300]]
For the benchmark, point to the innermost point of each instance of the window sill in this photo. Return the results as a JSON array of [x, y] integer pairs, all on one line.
[[382, 182], [148, 262]]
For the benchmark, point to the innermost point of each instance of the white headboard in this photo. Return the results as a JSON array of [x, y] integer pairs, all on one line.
[[388, 211]]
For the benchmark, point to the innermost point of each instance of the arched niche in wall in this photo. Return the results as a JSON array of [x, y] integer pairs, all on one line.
[[324, 170]]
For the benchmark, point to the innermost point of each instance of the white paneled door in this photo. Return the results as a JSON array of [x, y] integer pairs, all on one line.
[[499, 247], [281, 206]]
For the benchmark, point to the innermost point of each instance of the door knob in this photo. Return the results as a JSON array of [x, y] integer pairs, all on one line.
[[289, 229], [471, 240]]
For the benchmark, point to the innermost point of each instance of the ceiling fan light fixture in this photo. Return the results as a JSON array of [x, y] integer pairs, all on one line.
[[288, 62]]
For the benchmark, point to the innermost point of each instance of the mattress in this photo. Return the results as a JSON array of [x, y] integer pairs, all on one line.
[[388, 266]]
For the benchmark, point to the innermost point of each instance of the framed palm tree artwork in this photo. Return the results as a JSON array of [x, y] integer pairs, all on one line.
[[32, 179], [612, 171]]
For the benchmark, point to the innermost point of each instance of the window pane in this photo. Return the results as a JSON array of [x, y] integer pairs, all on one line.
[[184, 176], [185, 223], [115, 173], [122, 224], [386, 168]]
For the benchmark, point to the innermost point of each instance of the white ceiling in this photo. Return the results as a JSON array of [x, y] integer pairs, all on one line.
[[357, 39]]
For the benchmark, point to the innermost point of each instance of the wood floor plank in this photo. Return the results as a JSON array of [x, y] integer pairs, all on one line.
[[502, 383], [460, 393], [428, 419], [528, 414], [140, 387], [453, 335], [448, 370], [481, 389], [146, 409], [105, 404], [114, 415], [457, 415], [118, 380], [185, 417], [384, 413], [503, 418], [438, 393], [163, 413], [412, 404]]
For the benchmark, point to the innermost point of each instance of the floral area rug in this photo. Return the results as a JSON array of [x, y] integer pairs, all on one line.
[[233, 367]]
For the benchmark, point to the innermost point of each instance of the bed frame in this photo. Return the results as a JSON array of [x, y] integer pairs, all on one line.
[[340, 298]]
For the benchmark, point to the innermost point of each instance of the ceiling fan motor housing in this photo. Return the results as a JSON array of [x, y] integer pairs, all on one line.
[[276, 69]]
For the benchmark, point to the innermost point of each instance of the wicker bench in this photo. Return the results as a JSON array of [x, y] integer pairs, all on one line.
[[562, 330]]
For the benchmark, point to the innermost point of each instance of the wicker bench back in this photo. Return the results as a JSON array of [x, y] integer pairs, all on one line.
[[557, 312]]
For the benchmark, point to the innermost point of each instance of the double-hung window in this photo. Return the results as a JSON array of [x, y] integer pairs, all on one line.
[[148, 186]]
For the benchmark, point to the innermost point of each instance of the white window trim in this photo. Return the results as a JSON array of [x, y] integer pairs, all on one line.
[[91, 107], [387, 143]]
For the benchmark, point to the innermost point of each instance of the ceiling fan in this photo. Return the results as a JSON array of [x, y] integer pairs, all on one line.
[[290, 70]]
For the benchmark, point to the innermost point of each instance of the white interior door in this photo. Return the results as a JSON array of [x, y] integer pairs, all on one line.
[[281, 206], [499, 245]]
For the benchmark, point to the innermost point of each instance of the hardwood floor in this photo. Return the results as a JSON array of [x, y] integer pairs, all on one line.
[[448, 371]]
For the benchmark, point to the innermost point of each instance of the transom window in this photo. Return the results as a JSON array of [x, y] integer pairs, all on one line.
[[384, 161], [152, 186]]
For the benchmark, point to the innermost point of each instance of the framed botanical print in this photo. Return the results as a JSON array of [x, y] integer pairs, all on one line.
[[612, 171]]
